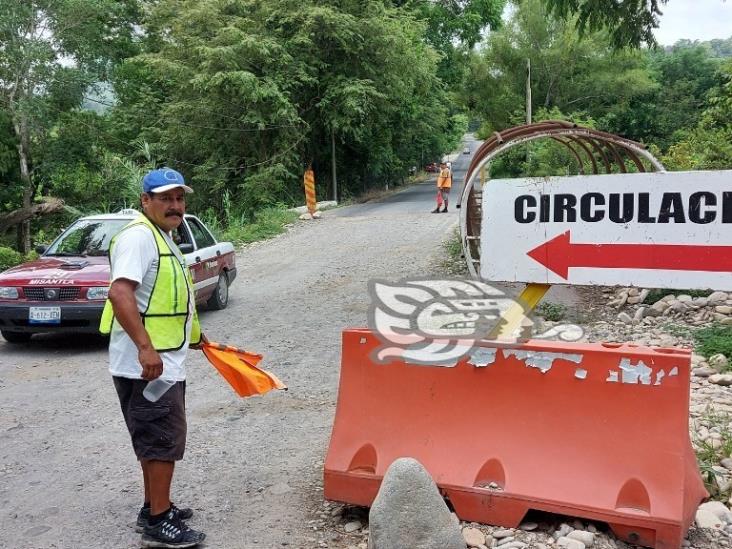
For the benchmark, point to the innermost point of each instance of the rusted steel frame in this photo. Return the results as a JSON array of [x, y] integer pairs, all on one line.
[[581, 142], [567, 143], [618, 159], [601, 152], [635, 159]]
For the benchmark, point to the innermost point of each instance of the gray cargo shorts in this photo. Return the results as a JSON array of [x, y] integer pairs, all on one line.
[[157, 429]]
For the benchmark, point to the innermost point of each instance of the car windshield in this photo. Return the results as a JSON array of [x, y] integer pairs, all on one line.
[[87, 237]]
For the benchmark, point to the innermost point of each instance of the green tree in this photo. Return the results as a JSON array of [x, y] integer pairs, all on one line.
[[52, 50], [242, 95], [684, 75], [567, 72], [709, 144], [629, 22]]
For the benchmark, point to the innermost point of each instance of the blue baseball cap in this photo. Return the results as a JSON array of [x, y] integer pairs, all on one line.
[[163, 179]]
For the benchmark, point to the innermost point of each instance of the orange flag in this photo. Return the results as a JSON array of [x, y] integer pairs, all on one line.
[[239, 368]]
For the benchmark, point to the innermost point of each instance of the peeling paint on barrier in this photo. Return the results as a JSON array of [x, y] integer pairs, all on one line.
[[580, 373], [612, 376], [483, 357], [659, 377], [638, 373], [541, 360], [674, 371]]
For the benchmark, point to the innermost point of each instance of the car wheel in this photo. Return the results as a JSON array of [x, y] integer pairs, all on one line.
[[220, 298], [16, 337]]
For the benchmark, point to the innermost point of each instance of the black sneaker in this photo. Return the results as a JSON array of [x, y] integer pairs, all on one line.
[[144, 515], [171, 532]]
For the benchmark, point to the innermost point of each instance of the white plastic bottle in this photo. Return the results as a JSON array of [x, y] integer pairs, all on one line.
[[157, 388]]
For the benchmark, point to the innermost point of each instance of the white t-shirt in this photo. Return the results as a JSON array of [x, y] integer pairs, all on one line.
[[135, 257]]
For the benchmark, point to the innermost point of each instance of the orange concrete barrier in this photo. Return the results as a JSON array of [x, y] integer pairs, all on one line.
[[598, 431]]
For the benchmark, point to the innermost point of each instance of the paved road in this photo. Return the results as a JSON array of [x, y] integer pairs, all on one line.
[[421, 197]]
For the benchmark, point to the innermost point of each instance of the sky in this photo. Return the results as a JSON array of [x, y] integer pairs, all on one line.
[[695, 20]]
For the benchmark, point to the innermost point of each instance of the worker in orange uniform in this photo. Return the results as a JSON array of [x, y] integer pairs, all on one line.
[[444, 182]]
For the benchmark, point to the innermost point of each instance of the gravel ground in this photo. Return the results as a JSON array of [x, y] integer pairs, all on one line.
[[253, 467]]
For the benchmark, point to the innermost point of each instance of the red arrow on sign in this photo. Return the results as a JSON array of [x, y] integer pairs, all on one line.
[[559, 254]]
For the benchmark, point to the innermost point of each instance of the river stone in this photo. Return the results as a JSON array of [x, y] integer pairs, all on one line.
[[625, 317], [707, 519], [588, 538], [717, 298], [725, 380], [719, 509], [473, 537], [719, 362], [409, 512], [569, 543]]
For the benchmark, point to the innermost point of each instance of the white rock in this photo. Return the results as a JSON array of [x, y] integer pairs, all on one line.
[[588, 538], [352, 526], [569, 543], [725, 380], [473, 537], [724, 309], [707, 519], [625, 317], [502, 533], [704, 371], [528, 526], [504, 541], [716, 298], [719, 509], [719, 362]]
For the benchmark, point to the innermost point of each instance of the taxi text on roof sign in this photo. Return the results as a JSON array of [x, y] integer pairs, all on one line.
[[661, 230]]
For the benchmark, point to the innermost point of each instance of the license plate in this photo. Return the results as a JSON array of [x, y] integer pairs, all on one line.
[[44, 315]]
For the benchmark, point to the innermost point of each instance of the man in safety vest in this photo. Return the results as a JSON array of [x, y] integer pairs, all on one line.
[[151, 318], [444, 182]]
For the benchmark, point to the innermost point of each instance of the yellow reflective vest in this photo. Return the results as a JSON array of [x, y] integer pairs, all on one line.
[[166, 312]]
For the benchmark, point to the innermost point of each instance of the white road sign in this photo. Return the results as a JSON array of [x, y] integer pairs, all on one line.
[[657, 230]]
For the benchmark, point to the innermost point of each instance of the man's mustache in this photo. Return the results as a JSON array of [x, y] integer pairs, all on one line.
[[173, 213]]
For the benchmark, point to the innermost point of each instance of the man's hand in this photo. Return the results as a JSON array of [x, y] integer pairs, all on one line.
[[152, 364], [122, 296]]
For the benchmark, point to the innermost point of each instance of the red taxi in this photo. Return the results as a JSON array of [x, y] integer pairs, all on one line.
[[64, 290]]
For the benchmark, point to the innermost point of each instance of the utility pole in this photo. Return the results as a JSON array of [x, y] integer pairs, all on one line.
[[333, 164], [528, 104]]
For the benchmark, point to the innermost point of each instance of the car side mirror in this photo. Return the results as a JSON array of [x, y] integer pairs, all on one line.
[[41, 248], [185, 247]]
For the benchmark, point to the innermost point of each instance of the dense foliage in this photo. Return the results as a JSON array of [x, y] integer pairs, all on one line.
[[239, 95], [242, 95], [676, 100]]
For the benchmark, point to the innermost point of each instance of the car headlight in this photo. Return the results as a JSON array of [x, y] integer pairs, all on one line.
[[8, 292], [98, 292]]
